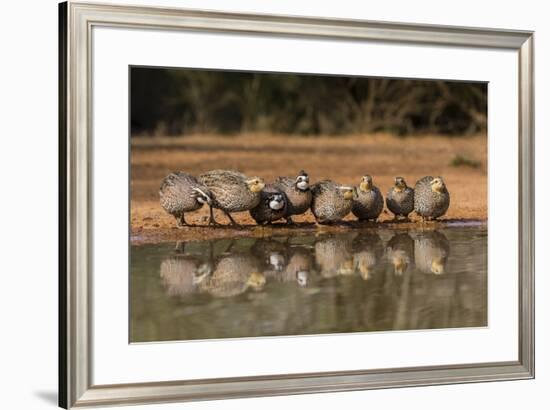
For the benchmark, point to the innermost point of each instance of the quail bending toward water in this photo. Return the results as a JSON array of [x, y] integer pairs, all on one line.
[[273, 206], [233, 275], [431, 198], [331, 202], [232, 191], [400, 199], [369, 203], [298, 193], [180, 193]]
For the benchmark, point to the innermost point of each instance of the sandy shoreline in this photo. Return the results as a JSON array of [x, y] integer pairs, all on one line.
[[201, 232], [343, 159]]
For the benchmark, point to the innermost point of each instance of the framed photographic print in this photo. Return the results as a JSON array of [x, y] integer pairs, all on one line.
[[258, 205]]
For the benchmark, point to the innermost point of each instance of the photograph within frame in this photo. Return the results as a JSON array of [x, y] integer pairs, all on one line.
[[312, 277]]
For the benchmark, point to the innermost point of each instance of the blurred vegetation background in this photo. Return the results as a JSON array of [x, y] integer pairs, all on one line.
[[190, 101]]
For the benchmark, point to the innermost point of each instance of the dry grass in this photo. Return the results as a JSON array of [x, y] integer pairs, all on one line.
[[343, 159]]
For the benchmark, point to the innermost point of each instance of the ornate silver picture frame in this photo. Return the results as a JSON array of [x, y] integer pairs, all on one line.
[[76, 21]]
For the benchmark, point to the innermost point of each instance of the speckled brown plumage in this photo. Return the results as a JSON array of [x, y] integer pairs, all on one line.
[[181, 192], [233, 275], [400, 253], [232, 191], [179, 274], [334, 255], [429, 202], [400, 198], [369, 202], [329, 204], [431, 250], [368, 251]]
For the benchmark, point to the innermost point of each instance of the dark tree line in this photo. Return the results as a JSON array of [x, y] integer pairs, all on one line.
[[185, 101]]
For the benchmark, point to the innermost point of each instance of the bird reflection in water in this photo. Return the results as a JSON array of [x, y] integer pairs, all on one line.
[[431, 250], [334, 255], [368, 251], [231, 272], [326, 283], [181, 273], [400, 253]]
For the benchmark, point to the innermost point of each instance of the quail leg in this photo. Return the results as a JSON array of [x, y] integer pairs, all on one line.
[[211, 220], [184, 222], [231, 219], [323, 222], [289, 220], [181, 221]]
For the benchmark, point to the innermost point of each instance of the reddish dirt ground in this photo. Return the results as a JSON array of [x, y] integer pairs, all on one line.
[[343, 159]]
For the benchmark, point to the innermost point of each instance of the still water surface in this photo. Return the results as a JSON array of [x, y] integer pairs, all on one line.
[[333, 283]]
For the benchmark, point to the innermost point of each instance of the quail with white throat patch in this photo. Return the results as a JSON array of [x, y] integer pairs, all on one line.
[[273, 206], [298, 194]]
